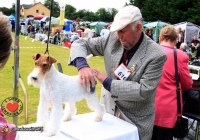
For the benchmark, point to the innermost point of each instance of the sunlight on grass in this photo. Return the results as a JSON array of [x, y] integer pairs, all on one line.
[[27, 49]]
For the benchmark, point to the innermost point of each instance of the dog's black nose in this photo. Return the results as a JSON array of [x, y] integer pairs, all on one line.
[[34, 78]]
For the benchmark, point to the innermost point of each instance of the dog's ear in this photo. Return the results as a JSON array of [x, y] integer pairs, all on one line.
[[51, 59], [36, 56]]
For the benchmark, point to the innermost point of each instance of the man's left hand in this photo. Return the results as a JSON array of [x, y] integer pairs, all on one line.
[[99, 75]]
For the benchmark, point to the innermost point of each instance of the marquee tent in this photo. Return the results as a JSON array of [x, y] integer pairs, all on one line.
[[55, 22], [157, 25], [97, 26], [189, 29]]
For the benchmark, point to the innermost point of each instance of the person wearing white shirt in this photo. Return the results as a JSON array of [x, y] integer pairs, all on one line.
[[104, 31], [88, 31]]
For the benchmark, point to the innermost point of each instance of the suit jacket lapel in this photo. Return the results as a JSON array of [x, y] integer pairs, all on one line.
[[116, 56], [136, 60]]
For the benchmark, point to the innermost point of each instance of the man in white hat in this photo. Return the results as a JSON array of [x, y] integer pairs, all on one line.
[[133, 65]]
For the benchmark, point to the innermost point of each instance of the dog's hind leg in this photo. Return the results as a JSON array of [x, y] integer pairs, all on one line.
[[93, 103], [55, 118], [69, 111]]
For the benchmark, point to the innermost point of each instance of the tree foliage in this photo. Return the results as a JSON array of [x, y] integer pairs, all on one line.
[[172, 11], [8, 11], [69, 11], [55, 7]]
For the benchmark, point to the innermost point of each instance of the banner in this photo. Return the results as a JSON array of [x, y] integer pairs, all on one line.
[[62, 15]]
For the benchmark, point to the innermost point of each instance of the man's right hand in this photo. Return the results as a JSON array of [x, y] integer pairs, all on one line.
[[86, 78]]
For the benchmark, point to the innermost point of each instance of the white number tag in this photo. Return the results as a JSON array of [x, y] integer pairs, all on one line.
[[122, 72]]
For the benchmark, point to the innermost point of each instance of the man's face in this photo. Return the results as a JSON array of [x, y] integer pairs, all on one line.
[[128, 36], [195, 37]]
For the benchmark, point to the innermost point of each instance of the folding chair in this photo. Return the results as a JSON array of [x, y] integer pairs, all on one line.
[[195, 117]]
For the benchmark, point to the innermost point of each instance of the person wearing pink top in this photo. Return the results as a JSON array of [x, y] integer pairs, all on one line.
[[6, 132], [165, 100]]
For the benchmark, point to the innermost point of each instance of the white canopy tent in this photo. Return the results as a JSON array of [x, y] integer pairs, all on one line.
[[189, 29]]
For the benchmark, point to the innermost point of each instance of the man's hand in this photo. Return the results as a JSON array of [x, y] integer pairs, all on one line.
[[87, 78], [99, 75]]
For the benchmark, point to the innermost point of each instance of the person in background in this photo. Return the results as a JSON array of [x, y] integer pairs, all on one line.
[[180, 38], [104, 31], [13, 25], [83, 27], [78, 26], [72, 28], [94, 33], [166, 97], [129, 97], [146, 31], [195, 46], [151, 33], [88, 31], [5, 51], [183, 47]]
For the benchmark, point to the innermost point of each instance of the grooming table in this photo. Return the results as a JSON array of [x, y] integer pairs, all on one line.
[[83, 127]]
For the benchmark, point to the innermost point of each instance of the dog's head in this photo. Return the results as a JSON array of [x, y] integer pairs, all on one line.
[[43, 64]]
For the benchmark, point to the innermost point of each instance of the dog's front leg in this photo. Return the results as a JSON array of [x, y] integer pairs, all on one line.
[[55, 119], [42, 113]]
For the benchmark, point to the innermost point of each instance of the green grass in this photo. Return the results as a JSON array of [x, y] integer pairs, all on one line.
[[26, 50]]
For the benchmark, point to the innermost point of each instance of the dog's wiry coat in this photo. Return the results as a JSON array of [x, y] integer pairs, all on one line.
[[57, 88]]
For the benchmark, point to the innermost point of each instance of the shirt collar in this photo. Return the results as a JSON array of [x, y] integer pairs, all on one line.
[[138, 43]]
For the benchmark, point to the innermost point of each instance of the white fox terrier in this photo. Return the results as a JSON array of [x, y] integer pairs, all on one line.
[[57, 88]]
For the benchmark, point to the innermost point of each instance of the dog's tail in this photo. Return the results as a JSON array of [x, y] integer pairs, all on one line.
[[89, 56]]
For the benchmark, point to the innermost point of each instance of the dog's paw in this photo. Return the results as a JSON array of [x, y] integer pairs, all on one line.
[[50, 133], [64, 119], [98, 119]]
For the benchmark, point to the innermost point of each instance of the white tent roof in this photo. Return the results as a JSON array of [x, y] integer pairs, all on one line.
[[190, 30]]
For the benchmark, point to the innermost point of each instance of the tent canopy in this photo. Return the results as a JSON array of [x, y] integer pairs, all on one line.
[[11, 17], [56, 22], [46, 19], [157, 25], [97, 26], [85, 22], [190, 30], [38, 17]]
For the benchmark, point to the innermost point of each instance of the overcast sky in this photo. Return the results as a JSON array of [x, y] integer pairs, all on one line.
[[91, 5]]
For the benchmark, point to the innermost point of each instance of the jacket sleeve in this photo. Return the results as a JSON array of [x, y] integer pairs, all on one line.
[[184, 73], [83, 47]]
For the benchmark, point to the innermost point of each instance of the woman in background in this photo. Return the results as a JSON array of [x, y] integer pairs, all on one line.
[[165, 100]]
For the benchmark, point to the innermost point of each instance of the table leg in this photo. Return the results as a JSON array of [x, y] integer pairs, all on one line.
[[197, 131]]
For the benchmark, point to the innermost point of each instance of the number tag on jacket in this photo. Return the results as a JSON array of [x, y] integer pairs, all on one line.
[[122, 72]]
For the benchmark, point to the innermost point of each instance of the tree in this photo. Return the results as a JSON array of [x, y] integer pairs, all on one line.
[[8, 11], [55, 7], [106, 15], [69, 11], [5, 11], [172, 11]]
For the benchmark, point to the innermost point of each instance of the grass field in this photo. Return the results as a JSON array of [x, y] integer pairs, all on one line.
[[26, 50]]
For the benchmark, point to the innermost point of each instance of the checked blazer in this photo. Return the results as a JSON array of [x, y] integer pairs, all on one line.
[[135, 96]]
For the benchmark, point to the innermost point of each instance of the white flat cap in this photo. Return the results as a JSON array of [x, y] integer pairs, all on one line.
[[125, 16]]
